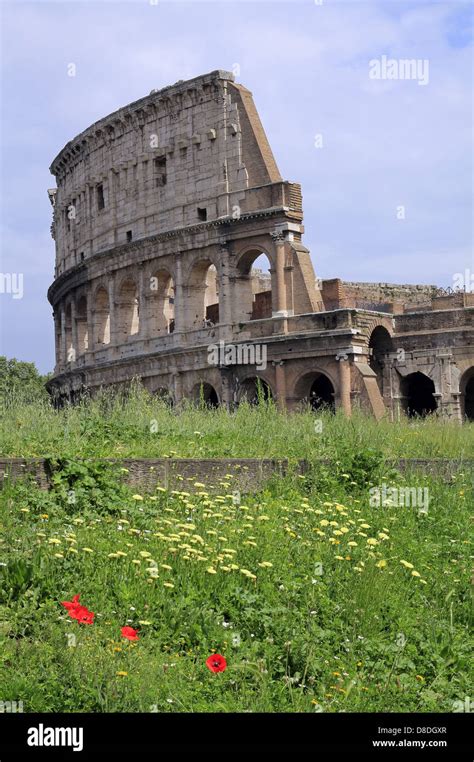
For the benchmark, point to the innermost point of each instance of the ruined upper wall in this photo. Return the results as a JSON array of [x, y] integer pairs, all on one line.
[[181, 156]]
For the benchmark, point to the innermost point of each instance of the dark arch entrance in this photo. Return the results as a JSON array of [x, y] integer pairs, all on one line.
[[321, 394], [255, 390], [380, 344], [205, 394], [418, 391], [469, 399]]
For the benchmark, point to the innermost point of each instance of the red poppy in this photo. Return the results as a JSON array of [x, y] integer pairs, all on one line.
[[129, 633], [76, 611], [216, 663]]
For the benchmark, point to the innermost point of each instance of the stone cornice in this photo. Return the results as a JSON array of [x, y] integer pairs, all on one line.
[[170, 98]]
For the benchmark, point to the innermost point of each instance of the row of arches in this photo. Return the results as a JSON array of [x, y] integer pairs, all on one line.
[[120, 312], [316, 391]]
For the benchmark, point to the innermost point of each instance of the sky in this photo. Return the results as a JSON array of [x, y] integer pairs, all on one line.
[[385, 164]]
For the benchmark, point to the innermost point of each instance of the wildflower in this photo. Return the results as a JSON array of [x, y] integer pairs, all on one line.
[[129, 633], [407, 565], [58, 555], [168, 584], [211, 570], [265, 564], [216, 663], [121, 674], [381, 564], [87, 550], [77, 611], [137, 497], [166, 566], [54, 541], [415, 573], [372, 541]]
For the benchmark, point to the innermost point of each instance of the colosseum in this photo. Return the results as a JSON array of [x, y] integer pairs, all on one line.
[[162, 214]]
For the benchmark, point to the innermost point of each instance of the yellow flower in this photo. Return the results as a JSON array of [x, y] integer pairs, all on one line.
[[144, 554], [136, 561], [211, 570], [407, 565], [58, 555], [121, 674], [420, 678], [381, 564], [372, 541], [87, 550], [143, 621], [112, 555], [137, 497], [168, 584], [121, 553], [265, 564], [352, 544], [166, 566], [415, 573], [54, 541]]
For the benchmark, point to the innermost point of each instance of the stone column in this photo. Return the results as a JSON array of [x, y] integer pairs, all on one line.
[[143, 290], [112, 312], [280, 378], [344, 384], [90, 322], [227, 396], [279, 241], [225, 294]]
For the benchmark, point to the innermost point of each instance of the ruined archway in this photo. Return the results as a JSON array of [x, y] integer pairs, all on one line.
[[316, 390], [201, 295], [101, 317], [254, 390], [380, 345], [161, 303], [254, 287], [81, 325], [127, 310], [418, 395], [205, 395]]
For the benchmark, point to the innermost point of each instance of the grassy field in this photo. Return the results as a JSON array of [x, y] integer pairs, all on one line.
[[142, 426], [317, 600]]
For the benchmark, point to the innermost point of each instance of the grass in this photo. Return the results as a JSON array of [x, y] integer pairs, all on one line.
[[318, 601], [142, 426]]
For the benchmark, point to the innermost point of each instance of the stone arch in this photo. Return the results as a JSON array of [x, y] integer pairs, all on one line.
[[201, 294], [466, 387], [101, 316], [252, 387], [128, 320], [204, 393], [317, 390], [70, 350], [81, 325], [418, 398], [161, 302], [254, 295], [380, 345]]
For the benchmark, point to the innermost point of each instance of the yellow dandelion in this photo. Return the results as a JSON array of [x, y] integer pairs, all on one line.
[[87, 550], [121, 674], [168, 584], [381, 564], [415, 573], [137, 497], [407, 564]]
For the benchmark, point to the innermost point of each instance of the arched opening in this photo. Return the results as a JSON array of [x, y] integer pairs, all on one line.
[[467, 395], [417, 395], [101, 317], [202, 296], [127, 311], [253, 287], [255, 391], [205, 395], [316, 390], [70, 351], [82, 328], [380, 345], [161, 303]]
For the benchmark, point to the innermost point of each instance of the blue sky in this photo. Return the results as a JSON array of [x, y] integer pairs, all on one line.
[[385, 143]]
